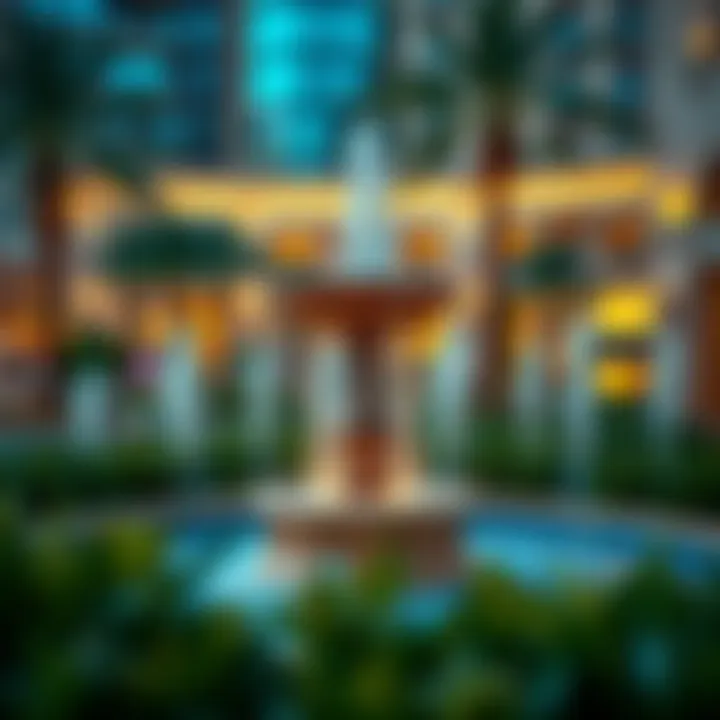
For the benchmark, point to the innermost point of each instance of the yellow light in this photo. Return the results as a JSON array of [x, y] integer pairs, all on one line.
[[702, 39], [425, 338], [622, 379], [627, 310], [425, 246], [517, 241], [253, 205], [677, 204], [21, 331], [155, 323], [253, 305], [297, 247]]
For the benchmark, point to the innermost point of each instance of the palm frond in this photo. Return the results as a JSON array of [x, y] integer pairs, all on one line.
[[51, 76], [125, 166], [501, 50], [53, 100]]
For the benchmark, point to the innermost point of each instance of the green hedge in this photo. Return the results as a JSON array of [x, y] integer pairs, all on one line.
[[103, 625], [56, 477], [497, 457], [93, 349], [628, 466]]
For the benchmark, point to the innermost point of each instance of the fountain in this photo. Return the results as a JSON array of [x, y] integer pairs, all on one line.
[[669, 390], [530, 397], [364, 492], [580, 408], [179, 396], [449, 395], [89, 409], [260, 388]]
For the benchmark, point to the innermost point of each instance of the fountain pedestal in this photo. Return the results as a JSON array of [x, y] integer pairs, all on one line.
[[366, 300], [369, 515], [366, 314]]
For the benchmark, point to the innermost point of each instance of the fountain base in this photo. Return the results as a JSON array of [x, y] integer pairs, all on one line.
[[422, 532]]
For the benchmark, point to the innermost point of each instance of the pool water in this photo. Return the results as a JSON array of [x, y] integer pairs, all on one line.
[[234, 555]]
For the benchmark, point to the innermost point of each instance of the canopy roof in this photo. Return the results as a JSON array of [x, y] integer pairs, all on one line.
[[550, 268], [178, 249]]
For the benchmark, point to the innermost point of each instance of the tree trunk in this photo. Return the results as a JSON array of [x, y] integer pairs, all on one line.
[[51, 231], [495, 175], [230, 130]]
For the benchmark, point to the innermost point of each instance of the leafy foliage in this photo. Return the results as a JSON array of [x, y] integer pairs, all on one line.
[[94, 349], [59, 478], [627, 468], [501, 51], [104, 623], [53, 102]]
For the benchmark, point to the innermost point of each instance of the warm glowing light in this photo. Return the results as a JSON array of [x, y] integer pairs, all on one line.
[[622, 379], [207, 318], [702, 39], [156, 322], [257, 206], [253, 305], [93, 302], [425, 246], [517, 241], [626, 310], [424, 339], [298, 247], [676, 204], [626, 232], [21, 332]]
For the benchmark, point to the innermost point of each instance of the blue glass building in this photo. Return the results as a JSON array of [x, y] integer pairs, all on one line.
[[187, 37], [595, 77], [308, 65]]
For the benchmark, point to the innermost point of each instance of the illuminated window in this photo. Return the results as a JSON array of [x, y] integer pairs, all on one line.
[[630, 310]]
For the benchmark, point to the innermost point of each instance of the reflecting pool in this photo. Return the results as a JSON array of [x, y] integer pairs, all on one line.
[[235, 560]]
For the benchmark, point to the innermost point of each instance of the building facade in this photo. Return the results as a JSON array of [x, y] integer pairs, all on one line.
[[628, 215], [308, 65], [590, 80]]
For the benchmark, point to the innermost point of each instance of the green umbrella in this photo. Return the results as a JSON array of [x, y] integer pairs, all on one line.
[[178, 249], [551, 268]]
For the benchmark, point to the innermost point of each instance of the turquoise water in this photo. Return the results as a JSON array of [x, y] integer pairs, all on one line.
[[234, 556]]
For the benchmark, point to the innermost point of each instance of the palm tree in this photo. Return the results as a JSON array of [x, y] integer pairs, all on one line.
[[495, 74], [53, 113], [498, 65], [493, 66]]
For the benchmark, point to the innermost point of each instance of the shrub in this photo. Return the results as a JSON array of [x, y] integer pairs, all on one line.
[[626, 467], [226, 459], [98, 624], [56, 477], [93, 349], [497, 457], [101, 625]]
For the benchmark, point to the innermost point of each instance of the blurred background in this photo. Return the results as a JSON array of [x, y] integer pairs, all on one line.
[[595, 118], [169, 167]]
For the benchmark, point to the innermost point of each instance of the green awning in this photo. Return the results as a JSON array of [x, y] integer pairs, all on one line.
[[551, 268], [178, 249]]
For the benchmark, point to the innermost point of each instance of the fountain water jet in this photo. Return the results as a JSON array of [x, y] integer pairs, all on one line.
[[378, 501]]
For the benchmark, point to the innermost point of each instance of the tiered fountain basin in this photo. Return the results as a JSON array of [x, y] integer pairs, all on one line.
[[360, 305], [382, 502]]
